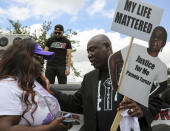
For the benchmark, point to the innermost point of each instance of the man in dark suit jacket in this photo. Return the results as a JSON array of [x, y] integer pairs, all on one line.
[[95, 98]]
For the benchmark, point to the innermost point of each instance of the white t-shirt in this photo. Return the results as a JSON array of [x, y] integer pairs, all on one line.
[[141, 71], [11, 103]]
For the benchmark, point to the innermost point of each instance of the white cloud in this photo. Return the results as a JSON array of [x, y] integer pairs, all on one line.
[[108, 13], [98, 7], [52, 7], [17, 13], [35, 28], [24, 9], [20, 1], [164, 55], [83, 67], [2, 12]]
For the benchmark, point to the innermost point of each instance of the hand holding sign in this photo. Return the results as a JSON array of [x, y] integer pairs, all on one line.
[[137, 19], [134, 108]]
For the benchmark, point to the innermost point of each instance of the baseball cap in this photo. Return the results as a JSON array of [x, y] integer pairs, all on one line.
[[60, 27], [47, 54]]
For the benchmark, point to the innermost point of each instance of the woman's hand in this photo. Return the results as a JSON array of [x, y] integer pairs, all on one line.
[[58, 125], [8, 123]]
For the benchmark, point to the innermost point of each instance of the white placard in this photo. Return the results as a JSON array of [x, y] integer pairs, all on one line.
[[140, 73], [136, 18]]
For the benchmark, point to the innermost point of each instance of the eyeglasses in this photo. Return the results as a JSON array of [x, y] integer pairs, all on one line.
[[59, 33]]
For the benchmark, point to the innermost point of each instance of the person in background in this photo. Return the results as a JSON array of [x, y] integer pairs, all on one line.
[[26, 103], [147, 58], [162, 121], [60, 64], [156, 68], [95, 98]]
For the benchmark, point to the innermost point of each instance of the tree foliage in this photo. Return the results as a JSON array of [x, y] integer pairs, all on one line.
[[68, 34], [17, 28], [42, 38]]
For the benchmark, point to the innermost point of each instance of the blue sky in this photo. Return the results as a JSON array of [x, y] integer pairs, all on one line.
[[87, 17], [73, 14]]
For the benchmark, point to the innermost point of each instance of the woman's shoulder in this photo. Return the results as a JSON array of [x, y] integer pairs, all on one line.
[[9, 84]]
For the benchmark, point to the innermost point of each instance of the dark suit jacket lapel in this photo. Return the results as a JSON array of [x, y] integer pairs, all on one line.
[[95, 79]]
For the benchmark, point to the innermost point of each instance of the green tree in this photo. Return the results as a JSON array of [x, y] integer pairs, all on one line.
[[69, 33], [17, 28], [42, 38]]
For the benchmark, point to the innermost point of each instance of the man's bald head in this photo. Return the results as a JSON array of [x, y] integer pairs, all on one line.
[[101, 39]]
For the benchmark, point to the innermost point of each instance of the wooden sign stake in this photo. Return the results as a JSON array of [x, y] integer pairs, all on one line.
[[118, 116]]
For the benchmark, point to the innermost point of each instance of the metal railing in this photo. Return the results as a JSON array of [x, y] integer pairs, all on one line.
[[66, 87], [70, 89]]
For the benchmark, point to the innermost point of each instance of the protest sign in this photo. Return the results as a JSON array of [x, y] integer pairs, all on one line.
[[136, 18], [140, 73]]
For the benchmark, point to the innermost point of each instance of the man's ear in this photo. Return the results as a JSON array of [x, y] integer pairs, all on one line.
[[107, 44], [164, 43]]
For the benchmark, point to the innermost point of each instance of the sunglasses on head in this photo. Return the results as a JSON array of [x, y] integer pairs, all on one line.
[[57, 33]]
